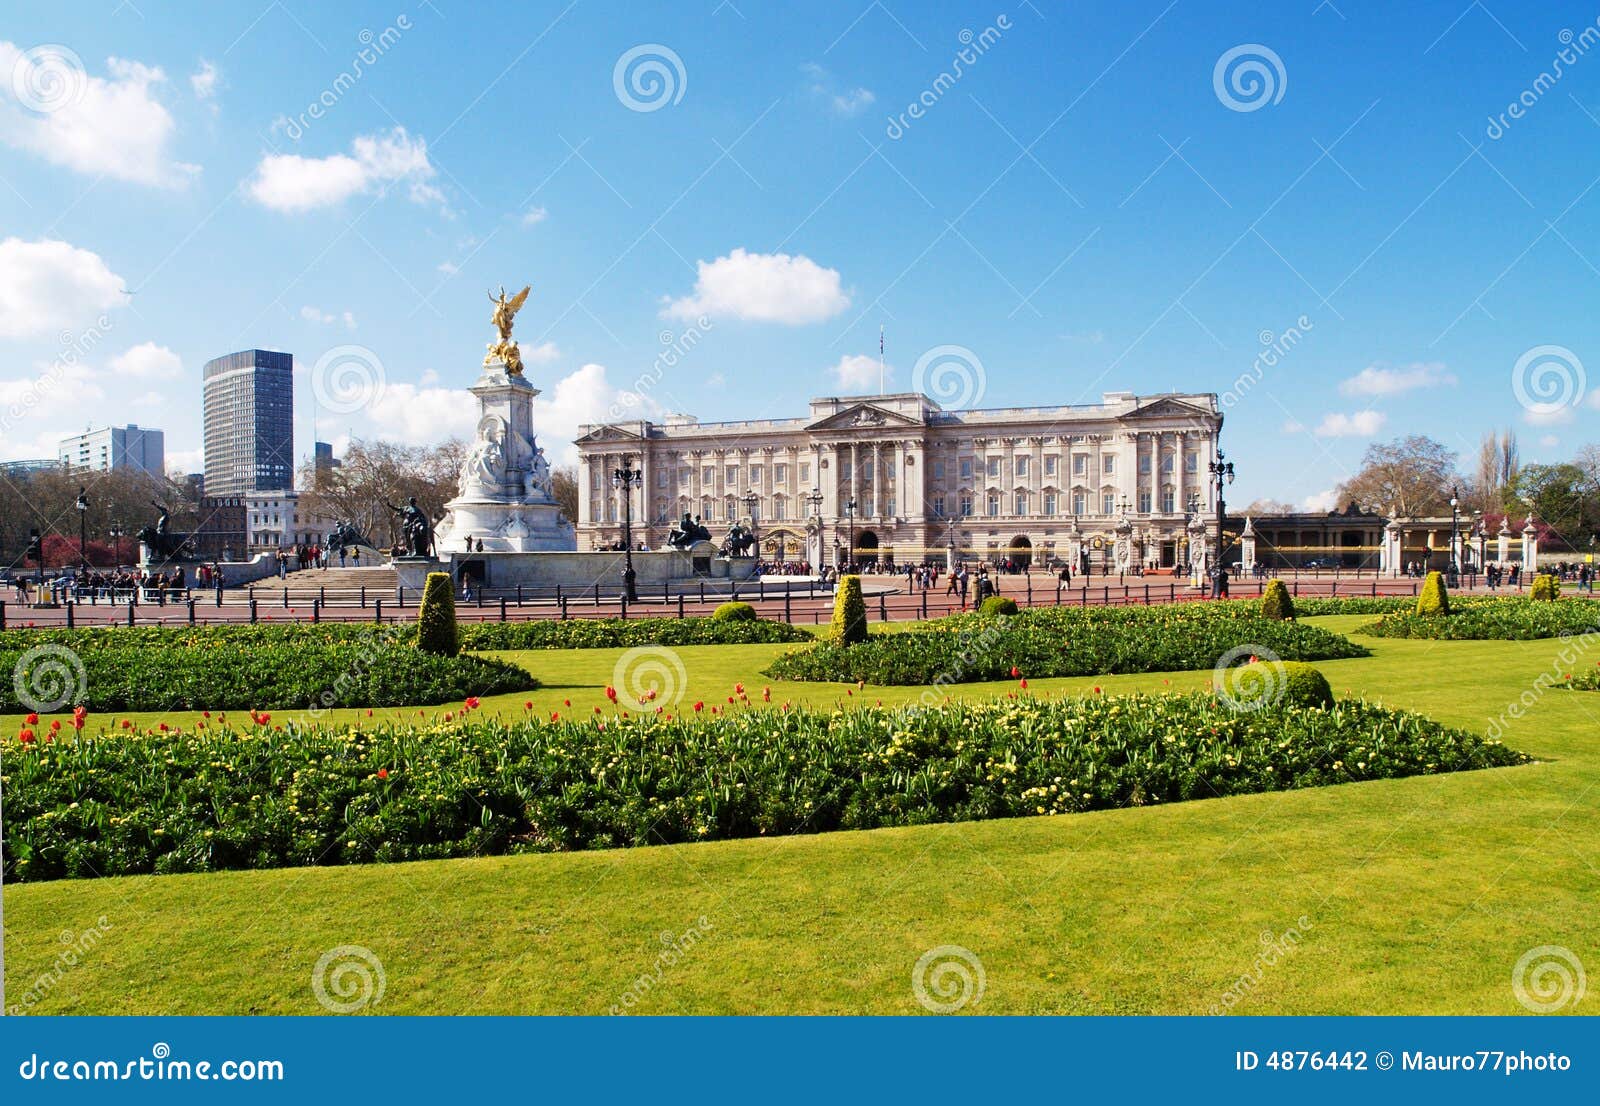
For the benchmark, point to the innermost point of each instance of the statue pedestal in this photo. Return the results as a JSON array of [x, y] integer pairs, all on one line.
[[505, 499], [411, 573]]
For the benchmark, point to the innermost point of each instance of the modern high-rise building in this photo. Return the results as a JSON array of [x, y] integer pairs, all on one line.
[[116, 447], [249, 422]]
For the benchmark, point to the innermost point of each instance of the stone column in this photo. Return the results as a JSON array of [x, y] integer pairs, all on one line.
[[1247, 547], [1503, 543], [1393, 548], [1530, 550]]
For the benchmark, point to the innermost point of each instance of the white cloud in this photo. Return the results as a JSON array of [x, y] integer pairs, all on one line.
[[541, 354], [534, 216], [148, 361], [51, 285], [1549, 441], [448, 268], [845, 101], [1358, 424], [113, 125], [327, 318], [1377, 381], [50, 402], [1321, 501], [205, 81], [185, 460], [416, 414], [855, 374], [763, 287], [584, 396], [1293, 426], [289, 182], [1556, 416]]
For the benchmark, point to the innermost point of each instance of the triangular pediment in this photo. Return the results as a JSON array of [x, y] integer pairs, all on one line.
[[1167, 407], [863, 416], [609, 433]]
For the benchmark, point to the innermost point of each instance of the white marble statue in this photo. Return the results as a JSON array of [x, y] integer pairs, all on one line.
[[485, 467]]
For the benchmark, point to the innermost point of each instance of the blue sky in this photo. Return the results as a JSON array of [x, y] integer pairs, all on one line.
[[1084, 208]]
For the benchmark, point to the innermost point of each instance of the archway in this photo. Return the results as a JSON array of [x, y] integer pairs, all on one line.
[[1021, 551], [866, 546]]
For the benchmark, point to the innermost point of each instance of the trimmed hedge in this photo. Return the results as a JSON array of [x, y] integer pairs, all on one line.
[[734, 612], [997, 606], [613, 633], [1434, 600], [1305, 686], [849, 613], [1512, 618], [1276, 602], [226, 675], [223, 798], [1063, 641], [1545, 588], [436, 617]]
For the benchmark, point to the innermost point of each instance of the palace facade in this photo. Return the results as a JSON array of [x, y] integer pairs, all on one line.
[[898, 479]]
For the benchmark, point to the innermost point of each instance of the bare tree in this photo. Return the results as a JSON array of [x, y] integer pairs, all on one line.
[[564, 483], [373, 473], [1408, 477]]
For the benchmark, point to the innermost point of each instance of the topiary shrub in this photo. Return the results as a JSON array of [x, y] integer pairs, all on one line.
[[1305, 686], [436, 618], [1276, 602], [1546, 588], [997, 605], [849, 613], [1434, 599], [734, 612]]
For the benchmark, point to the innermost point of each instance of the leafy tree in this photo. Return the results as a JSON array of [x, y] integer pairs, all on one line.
[[1406, 477], [1555, 495]]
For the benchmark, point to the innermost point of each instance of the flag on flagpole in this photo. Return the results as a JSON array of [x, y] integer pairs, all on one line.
[[880, 360]]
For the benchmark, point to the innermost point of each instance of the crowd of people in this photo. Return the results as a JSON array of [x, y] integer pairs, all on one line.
[[117, 585]]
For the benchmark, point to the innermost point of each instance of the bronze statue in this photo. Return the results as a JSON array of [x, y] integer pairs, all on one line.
[[505, 315], [415, 529], [687, 532]]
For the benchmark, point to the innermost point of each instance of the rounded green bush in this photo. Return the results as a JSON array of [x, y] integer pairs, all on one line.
[[997, 605], [1434, 598], [1546, 588], [1305, 686], [735, 612], [436, 618], [1276, 602]]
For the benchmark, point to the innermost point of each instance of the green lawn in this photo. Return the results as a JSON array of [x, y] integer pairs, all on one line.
[[1418, 895]]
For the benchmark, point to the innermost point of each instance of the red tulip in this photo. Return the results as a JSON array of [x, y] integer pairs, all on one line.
[[1015, 672], [698, 706], [26, 737], [32, 720], [383, 773]]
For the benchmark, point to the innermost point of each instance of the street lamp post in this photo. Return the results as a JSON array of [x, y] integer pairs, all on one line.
[[1453, 567], [115, 534], [1221, 474], [815, 502], [850, 514], [751, 502], [83, 528], [626, 479]]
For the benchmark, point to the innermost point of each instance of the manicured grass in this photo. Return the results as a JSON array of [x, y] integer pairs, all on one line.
[[1420, 894]]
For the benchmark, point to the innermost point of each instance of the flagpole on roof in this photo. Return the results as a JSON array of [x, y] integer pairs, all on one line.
[[880, 360]]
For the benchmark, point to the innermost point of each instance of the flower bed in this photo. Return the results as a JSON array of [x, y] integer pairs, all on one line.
[[222, 798], [104, 672], [1509, 619], [1052, 641]]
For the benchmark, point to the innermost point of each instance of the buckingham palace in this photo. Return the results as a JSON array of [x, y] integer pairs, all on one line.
[[900, 480]]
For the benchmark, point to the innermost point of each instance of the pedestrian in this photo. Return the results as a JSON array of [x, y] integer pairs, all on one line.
[[341, 556], [355, 553]]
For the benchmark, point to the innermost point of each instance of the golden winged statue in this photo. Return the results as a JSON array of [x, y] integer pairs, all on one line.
[[505, 315]]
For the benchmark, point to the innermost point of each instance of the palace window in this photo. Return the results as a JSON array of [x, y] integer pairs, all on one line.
[[755, 476], [938, 505], [1050, 465], [1108, 503], [733, 476], [779, 508], [805, 473], [708, 476], [1167, 499], [1049, 503], [866, 469], [1022, 466], [1144, 464], [780, 474], [1080, 503], [1166, 463], [966, 505], [993, 505], [866, 507], [1108, 464], [683, 478], [845, 469], [938, 470], [966, 468], [994, 467], [1080, 464], [661, 478], [1191, 461], [888, 507], [1144, 502], [1022, 502]]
